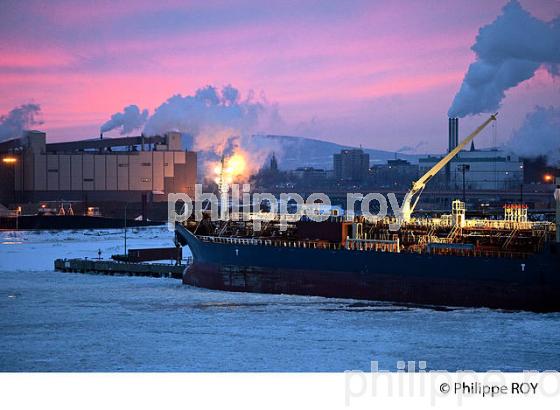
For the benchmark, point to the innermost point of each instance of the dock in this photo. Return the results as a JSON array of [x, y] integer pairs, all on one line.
[[110, 267]]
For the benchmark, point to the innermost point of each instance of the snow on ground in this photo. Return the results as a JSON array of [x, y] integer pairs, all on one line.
[[37, 250]]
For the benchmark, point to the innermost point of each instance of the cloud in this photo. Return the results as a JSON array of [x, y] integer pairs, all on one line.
[[212, 115], [208, 113], [539, 135], [129, 120], [508, 51], [221, 121], [19, 119], [413, 150]]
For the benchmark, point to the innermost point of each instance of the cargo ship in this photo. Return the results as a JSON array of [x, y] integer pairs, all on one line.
[[511, 263]]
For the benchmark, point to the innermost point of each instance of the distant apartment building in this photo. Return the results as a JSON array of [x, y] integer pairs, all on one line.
[[115, 169], [351, 165]]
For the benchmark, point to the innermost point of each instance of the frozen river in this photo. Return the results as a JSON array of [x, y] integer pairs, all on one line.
[[52, 321]]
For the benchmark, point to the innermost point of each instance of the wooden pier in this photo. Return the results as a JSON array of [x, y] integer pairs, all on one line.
[[109, 267]]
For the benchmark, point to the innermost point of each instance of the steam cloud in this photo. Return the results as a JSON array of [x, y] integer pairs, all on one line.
[[412, 149], [129, 120], [539, 135], [220, 121], [207, 114], [19, 119], [509, 51]]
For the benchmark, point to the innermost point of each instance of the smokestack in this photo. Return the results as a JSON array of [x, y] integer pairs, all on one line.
[[453, 133]]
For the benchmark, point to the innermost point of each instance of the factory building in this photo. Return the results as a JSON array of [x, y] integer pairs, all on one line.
[[351, 165], [128, 169], [481, 169]]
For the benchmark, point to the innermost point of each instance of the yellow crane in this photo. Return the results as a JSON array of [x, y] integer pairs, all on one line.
[[411, 198]]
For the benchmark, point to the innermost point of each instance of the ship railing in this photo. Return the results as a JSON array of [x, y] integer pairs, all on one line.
[[350, 244], [480, 223], [363, 245], [378, 245], [272, 242], [267, 216], [497, 224], [480, 253]]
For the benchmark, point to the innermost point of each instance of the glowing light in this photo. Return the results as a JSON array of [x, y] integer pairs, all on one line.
[[548, 178], [234, 167], [9, 160]]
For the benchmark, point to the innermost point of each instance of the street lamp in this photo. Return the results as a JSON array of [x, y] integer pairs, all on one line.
[[548, 178]]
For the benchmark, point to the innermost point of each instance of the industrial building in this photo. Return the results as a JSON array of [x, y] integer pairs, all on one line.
[[481, 169], [351, 165], [491, 169], [128, 169]]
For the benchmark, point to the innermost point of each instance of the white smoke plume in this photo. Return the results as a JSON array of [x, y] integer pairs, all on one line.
[[129, 120], [208, 114], [412, 149], [220, 121], [539, 135], [19, 119], [508, 51]]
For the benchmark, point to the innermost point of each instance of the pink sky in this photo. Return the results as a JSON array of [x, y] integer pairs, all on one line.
[[379, 74]]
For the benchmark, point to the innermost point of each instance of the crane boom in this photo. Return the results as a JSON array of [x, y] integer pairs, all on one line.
[[418, 186]]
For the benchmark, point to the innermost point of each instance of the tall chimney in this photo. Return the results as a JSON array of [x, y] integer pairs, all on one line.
[[453, 133], [453, 142]]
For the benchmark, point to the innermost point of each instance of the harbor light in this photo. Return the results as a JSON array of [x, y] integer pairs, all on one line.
[[9, 160], [548, 178]]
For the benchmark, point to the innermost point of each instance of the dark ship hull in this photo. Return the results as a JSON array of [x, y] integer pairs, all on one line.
[[444, 280]]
